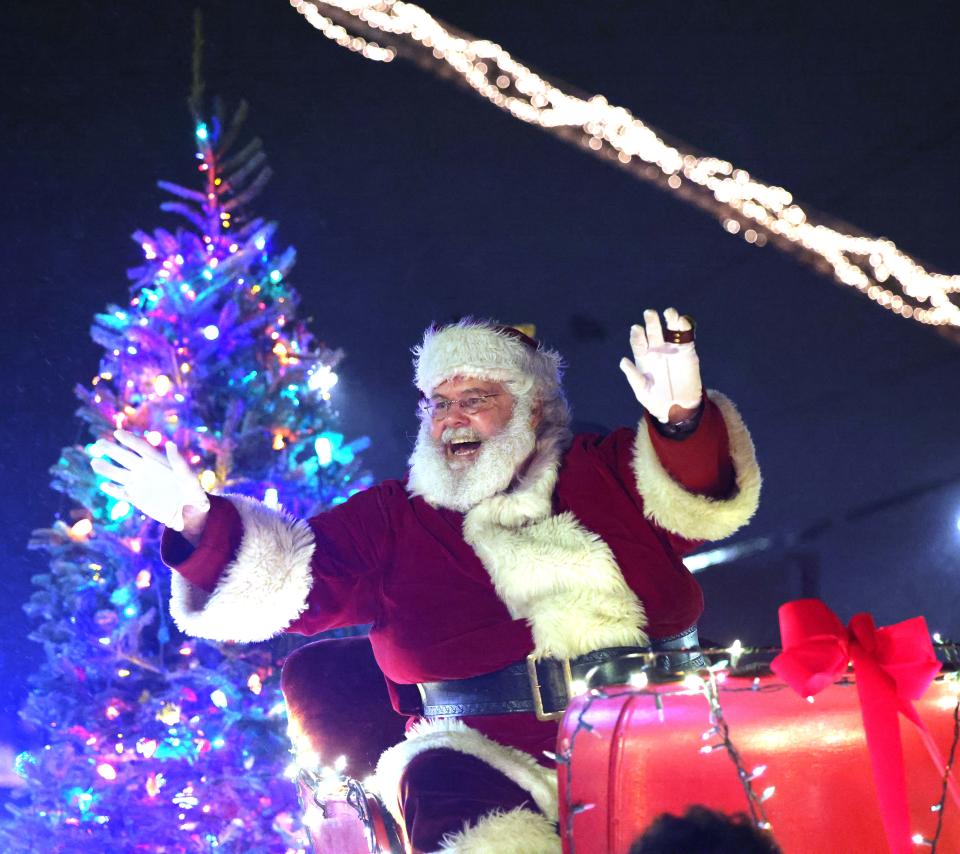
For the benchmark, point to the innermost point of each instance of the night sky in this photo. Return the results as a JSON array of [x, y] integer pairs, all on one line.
[[410, 200]]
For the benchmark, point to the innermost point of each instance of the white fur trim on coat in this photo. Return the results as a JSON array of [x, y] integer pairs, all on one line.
[[549, 569], [698, 517], [519, 831], [262, 590], [453, 734]]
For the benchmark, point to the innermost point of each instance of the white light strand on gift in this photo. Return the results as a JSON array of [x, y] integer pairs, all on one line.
[[939, 806], [745, 206], [565, 759], [720, 729]]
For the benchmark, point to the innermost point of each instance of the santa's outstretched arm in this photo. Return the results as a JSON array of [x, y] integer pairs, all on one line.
[[245, 571], [694, 462]]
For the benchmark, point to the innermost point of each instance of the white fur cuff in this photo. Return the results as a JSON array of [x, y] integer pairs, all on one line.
[[262, 591], [519, 831], [698, 517], [453, 734]]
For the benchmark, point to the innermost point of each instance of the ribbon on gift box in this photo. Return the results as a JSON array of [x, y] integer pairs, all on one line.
[[894, 665]]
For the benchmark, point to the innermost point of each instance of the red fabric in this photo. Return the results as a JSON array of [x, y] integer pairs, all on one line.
[[894, 666], [443, 790], [218, 546], [390, 559], [700, 460]]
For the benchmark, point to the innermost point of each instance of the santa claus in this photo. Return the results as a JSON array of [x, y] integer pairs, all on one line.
[[514, 557]]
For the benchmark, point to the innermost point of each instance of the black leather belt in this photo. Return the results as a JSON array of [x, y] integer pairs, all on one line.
[[543, 687], [674, 656]]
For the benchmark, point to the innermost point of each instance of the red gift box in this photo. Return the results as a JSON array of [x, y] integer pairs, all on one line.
[[636, 753]]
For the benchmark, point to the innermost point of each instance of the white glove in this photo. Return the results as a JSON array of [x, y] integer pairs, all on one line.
[[663, 375], [157, 485]]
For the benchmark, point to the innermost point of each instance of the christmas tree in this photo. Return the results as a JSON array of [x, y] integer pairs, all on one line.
[[154, 741]]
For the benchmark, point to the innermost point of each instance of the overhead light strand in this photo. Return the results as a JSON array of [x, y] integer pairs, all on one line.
[[746, 207]]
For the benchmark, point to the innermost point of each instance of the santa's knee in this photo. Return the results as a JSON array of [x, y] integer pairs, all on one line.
[[455, 802]]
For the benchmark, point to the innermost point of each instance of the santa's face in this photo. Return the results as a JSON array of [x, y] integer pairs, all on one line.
[[464, 455], [473, 411]]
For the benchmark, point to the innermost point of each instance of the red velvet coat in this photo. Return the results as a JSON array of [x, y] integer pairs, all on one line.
[[390, 559]]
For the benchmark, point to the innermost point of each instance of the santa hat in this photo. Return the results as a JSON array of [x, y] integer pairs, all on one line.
[[486, 351]]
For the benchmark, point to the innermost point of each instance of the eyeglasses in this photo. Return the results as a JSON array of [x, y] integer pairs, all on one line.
[[438, 409]]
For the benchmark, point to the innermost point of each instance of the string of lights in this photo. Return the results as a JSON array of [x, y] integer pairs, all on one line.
[[720, 729], [758, 213], [939, 806], [565, 760], [949, 652]]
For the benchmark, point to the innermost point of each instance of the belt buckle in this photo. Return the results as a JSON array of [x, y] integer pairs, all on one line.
[[534, 678]]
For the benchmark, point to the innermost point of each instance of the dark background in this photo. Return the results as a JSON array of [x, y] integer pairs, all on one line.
[[410, 201]]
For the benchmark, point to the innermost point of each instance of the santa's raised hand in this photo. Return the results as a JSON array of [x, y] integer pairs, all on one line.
[[665, 371], [162, 486]]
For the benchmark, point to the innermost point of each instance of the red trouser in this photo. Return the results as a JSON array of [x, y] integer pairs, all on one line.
[[443, 790]]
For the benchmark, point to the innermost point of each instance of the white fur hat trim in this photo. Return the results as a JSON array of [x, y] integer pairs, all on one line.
[[473, 348]]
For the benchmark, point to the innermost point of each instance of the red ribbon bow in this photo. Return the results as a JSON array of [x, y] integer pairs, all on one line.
[[894, 665]]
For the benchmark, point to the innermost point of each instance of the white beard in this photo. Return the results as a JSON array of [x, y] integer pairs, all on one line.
[[444, 483]]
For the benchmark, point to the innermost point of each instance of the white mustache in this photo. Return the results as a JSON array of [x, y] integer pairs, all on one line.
[[459, 434]]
